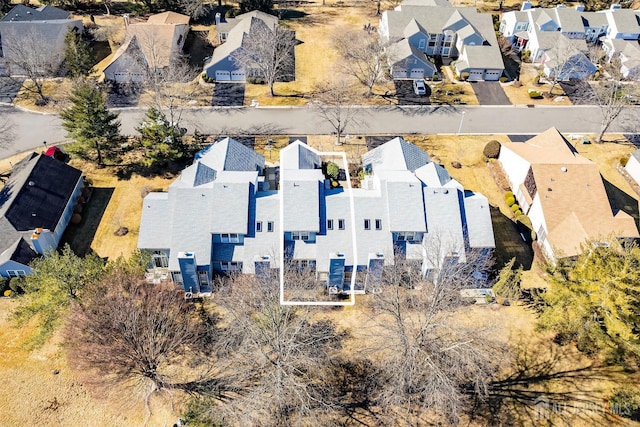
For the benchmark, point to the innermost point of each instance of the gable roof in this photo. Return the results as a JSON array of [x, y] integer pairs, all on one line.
[[21, 13], [154, 40], [571, 194], [35, 195], [395, 155], [170, 18]]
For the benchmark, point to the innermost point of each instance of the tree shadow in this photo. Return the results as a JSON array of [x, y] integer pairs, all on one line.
[[538, 388], [621, 201], [79, 236], [509, 241]]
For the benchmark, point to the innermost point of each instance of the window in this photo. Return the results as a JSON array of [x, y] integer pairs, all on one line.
[[259, 226], [230, 266], [408, 236], [299, 235], [329, 224], [177, 277], [421, 43], [270, 227], [306, 264], [367, 224], [16, 273], [203, 277], [341, 224], [378, 224], [159, 259], [432, 43], [230, 238]]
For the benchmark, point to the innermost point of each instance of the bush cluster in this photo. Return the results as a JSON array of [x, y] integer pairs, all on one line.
[[492, 149]]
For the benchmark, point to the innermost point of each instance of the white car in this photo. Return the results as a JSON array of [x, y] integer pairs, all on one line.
[[419, 87]]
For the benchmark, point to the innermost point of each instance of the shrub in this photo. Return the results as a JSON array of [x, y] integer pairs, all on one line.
[[464, 75], [536, 80], [525, 56], [435, 78], [203, 75], [508, 194], [503, 79], [517, 213], [492, 149], [625, 402], [144, 191], [231, 13], [517, 84], [456, 165], [535, 94], [333, 171], [515, 208], [624, 160], [456, 76], [7, 293], [510, 201]]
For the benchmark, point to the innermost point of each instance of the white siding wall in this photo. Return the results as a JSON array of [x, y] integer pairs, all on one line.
[[514, 166], [633, 169]]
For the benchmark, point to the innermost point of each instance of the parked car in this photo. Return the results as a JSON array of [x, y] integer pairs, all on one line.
[[419, 88]]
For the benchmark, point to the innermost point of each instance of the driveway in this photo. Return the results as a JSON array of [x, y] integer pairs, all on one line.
[[578, 91], [9, 88], [228, 95], [406, 95], [490, 93]]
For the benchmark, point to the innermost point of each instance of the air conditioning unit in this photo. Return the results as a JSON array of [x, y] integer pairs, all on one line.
[[188, 295], [333, 290]]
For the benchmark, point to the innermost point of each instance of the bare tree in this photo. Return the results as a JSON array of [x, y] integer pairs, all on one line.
[[430, 357], [268, 53], [130, 331], [275, 355], [612, 95], [363, 56], [32, 55], [334, 106], [566, 62]]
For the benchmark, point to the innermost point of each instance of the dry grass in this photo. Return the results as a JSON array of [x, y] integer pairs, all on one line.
[[124, 208], [520, 95], [56, 90], [40, 388]]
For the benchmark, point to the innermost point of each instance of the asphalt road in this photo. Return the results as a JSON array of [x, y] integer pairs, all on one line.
[[31, 129]]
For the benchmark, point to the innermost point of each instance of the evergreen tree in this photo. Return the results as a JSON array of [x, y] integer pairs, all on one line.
[[89, 122], [78, 56], [594, 300], [161, 139]]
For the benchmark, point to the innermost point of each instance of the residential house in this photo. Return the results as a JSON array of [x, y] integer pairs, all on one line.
[[628, 54], [409, 61], [563, 194], [222, 215], [234, 35], [40, 32], [36, 205], [541, 30], [148, 46], [438, 29], [567, 60]]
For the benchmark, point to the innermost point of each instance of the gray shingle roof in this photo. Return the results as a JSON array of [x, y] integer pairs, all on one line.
[[301, 193], [298, 155], [396, 154], [21, 13], [478, 217]]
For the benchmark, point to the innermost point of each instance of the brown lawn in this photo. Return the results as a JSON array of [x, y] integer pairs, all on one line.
[[520, 95]]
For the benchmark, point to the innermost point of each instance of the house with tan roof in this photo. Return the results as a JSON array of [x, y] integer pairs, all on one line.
[[563, 194], [150, 45]]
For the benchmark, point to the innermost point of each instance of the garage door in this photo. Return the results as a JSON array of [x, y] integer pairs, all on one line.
[[399, 73], [417, 73], [128, 77], [476, 75], [238, 76], [492, 76], [222, 76]]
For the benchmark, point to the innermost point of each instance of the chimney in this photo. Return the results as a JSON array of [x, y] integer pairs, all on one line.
[[189, 270], [580, 7], [218, 18], [526, 5], [43, 241], [615, 6]]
